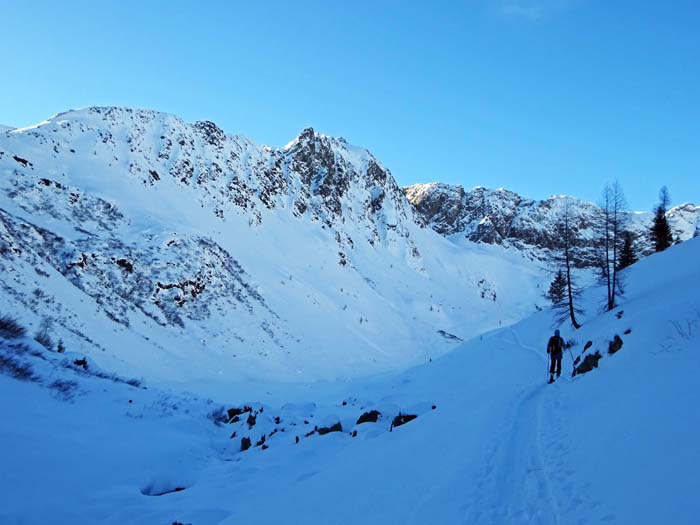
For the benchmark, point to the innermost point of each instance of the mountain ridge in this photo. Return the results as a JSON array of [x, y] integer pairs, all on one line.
[[504, 217], [179, 237]]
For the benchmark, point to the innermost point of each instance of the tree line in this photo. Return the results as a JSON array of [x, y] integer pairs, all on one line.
[[615, 249]]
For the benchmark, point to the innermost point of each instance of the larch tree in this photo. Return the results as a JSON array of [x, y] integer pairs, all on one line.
[[567, 236], [612, 229]]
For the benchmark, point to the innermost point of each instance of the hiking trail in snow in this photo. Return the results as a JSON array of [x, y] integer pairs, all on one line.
[[527, 477]]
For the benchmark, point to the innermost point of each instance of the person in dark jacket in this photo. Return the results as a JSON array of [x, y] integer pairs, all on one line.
[[555, 349]]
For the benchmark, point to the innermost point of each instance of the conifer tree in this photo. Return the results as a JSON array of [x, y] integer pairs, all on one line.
[[557, 290], [661, 234], [628, 255]]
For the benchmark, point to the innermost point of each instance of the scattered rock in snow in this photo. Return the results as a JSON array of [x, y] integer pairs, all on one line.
[[160, 489], [23, 162], [336, 427], [369, 417], [589, 363], [402, 419], [615, 344], [449, 336]]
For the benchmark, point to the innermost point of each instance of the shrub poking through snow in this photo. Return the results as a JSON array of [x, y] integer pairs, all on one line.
[[43, 336], [82, 363], [369, 417], [220, 417], [10, 328], [13, 367], [136, 383], [65, 389]]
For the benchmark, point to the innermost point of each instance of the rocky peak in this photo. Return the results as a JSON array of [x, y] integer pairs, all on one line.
[[212, 133]]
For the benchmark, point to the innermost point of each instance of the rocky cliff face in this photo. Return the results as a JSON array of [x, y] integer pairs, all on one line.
[[505, 218], [145, 236]]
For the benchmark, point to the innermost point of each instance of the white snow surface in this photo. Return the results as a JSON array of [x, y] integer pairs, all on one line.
[[492, 442], [189, 272]]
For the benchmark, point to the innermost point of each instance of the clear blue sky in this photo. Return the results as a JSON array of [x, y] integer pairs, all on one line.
[[538, 96]]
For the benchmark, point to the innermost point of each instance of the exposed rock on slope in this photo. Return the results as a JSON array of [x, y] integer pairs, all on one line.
[[504, 217]]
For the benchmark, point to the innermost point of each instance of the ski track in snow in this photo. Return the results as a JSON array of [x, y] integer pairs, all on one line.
[[527, 478], [515, 487]]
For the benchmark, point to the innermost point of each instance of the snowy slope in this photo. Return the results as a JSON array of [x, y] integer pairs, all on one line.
[[175, 252], [526, 225], [492, 442]]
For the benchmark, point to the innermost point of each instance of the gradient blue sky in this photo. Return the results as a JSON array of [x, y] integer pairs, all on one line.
[[538, 96]]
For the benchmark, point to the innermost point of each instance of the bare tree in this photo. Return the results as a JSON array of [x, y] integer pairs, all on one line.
[[612, 232], [567, 236]]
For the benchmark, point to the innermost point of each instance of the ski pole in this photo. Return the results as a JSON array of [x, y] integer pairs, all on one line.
[[573, 363]]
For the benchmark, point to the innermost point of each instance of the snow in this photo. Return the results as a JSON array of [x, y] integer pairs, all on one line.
[[298, 342], [616, 445]]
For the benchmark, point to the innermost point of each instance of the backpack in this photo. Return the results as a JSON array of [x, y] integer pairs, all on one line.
[[555, 345]]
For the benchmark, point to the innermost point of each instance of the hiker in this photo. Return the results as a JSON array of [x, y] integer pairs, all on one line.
[[555, 349]]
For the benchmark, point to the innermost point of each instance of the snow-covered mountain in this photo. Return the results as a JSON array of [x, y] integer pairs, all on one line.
[[506, 218], [180, 253]]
